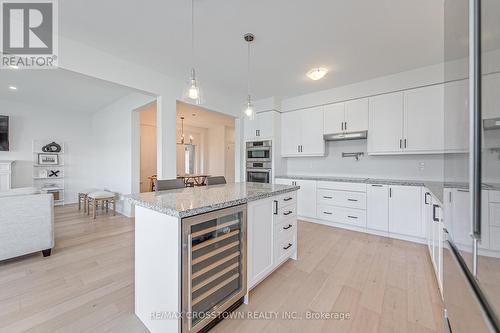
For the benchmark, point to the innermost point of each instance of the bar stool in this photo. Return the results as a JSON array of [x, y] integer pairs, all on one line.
[[82, 198], [103, 198]]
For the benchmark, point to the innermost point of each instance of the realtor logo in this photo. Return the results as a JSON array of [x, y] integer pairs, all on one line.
[[29, 33]]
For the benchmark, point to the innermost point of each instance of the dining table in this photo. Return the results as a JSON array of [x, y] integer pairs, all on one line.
[[194, 179]]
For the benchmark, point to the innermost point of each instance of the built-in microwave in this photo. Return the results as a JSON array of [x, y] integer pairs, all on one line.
[[259, 151]]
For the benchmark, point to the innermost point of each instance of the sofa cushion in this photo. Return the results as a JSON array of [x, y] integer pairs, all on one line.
[[19, 191]]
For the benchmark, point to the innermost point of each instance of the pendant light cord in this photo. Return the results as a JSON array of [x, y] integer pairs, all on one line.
[[192, 33], [248, 70]]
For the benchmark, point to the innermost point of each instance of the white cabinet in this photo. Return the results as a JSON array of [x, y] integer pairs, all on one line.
[[409, 122], [5, 175], [261, 127], [456, 116], [351, 116], [491, 96], [260, 236], [302, 133], [356, 115], [378, 207], [306, 195], [405, 210], [385, 131], [424, 112]]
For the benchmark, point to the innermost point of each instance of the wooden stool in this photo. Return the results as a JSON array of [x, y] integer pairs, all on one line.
[[82, 198], [103, 198]]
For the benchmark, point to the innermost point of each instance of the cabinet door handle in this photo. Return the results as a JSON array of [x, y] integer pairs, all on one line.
[[390, 192], [345, 125], [352, 217], [288, 199], [400, 143], [426, 194], [352, 200], [288, 246], [375, 185], [405, 143], [325, 197], [434, 213], [288, 213], [328, 213], [287, 227], [275, 207]]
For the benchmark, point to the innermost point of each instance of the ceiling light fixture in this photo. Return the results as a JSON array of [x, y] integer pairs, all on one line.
[[192, 92], [12, 87], [317, 73], [249, 110]]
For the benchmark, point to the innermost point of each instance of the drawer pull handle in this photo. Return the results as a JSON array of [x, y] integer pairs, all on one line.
[[288, 213], [288, 199], [352, 200], [288, 246], [287, 227], [352, 217], [325, 197], [328, 213]]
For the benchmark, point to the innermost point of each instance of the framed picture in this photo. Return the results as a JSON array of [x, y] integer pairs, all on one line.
[[48, 159]]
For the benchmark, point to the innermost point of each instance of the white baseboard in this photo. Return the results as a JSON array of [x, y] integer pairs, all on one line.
[[419, 240]]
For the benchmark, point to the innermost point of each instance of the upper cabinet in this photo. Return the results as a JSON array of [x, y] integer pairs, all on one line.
[[424, 112], [385, 133], [261, 127], [351, 116], [456, 116], [410, 122], [302, 133]]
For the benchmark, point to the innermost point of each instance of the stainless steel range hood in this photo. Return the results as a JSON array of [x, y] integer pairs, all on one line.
[[346, 136]]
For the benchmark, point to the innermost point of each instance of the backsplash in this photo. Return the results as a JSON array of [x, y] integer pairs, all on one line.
[[418, 167]]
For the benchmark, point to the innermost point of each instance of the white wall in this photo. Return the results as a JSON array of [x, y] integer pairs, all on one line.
[[115, 146], [216, 150], [30, 122]]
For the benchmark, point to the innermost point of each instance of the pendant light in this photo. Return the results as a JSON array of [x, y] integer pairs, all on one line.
[[182, 132], [249, 110], [192, 92]]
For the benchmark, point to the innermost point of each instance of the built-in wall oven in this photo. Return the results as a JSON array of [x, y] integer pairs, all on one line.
[[259, 161], [214, 277]]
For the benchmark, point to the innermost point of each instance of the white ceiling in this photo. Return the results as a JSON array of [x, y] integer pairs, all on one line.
[[199, 117], [60, 89], [355, 39]]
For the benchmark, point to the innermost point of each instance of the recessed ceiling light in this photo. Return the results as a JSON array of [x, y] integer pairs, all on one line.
[[12, 88], [317, 73]]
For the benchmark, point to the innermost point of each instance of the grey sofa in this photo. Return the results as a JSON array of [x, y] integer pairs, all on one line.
[[26, 223]]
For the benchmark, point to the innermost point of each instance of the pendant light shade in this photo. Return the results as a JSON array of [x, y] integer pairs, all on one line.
[[249, 110], [192, 91]]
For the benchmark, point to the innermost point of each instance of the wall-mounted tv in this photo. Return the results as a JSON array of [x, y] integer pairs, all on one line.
[[4, 133]]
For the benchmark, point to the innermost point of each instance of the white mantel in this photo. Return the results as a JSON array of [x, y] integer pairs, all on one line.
[[5, 174]]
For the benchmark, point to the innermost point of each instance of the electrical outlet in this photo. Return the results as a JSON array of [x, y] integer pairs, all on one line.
[[421, 166]]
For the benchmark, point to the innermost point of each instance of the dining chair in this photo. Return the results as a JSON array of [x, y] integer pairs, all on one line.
[[169, 184], [217, 180]]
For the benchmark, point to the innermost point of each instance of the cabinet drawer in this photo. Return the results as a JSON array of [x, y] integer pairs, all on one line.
[[287, 199], [495, 214], [284, 248], [285, 229], [286, 213], [342, 186], [5, 168], [350, 216], [355, 200]]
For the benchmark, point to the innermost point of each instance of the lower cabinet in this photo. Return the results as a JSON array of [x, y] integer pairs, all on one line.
[[405, 210], [306, 195], [272, 235], [378, 207], [434, 229], [260, 239]]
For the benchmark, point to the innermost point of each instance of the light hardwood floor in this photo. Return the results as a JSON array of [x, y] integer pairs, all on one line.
[[87, 284]]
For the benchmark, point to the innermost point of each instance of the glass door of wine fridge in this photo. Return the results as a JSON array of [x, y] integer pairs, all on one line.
[[214, 265]]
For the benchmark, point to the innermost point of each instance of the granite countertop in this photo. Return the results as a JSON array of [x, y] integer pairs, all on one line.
[[434, 186], [192, 201]]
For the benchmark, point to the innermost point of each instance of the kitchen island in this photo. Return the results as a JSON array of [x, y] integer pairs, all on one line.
[[198, 251]]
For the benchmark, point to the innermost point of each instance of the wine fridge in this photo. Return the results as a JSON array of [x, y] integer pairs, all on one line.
[[214, 277]]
